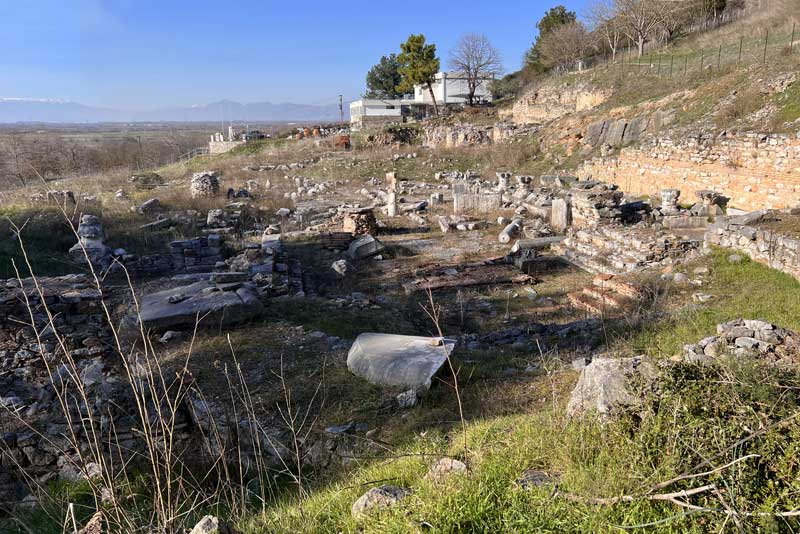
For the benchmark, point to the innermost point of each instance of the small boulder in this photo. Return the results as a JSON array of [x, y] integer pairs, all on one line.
[[94, 526], [341, 267], [150, 206], [407, 399], [170, 336], [604, 385], [380, 497], [211, 525], [534, 478], [445, 467]]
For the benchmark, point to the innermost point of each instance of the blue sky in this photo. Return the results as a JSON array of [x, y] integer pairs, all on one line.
[[145, 54]]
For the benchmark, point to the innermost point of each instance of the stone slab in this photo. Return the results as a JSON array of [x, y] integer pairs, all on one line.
[[213, 304], [395, 360]]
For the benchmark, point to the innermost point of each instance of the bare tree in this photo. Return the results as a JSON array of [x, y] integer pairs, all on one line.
[[564, 46], [476, 60], [606, 24], [677, 15], [640, 18], [13, 158]]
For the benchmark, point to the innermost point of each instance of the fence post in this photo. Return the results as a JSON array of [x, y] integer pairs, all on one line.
[[685, 64], [719, 56], [741, 41], [671, 60], [791, 41], [702, 59], [766, 40]]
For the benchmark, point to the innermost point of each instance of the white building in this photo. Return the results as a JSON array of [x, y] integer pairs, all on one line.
[[449, 88], [452, 88], [378, 112]]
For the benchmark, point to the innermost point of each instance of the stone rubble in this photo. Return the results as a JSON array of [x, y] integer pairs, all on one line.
[[745, 338], [204, 184]]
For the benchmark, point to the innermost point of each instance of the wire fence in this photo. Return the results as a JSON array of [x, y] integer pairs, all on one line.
[[742, 52], [657, 59]]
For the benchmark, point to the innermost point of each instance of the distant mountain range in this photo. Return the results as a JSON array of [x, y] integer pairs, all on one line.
[[47, 110]]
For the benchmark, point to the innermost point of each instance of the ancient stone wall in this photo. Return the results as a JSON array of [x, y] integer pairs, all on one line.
[[756, 171], [774, 249], [220, 147]]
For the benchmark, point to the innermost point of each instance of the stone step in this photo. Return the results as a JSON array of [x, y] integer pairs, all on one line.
[[614, 238], [618, 286], [609, 298], [589, 263], [582, 301]]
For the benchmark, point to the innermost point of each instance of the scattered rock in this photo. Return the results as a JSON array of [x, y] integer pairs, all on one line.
[[170, 336], [407, 399], [604, 385], [94, 525], [211, 525], [445, 467], [380, 497], [680, 278], [341, 267], [534, 478], [150, 206], [745, 338]]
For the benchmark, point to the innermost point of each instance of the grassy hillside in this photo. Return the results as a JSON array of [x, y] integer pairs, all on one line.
[[741, 76]]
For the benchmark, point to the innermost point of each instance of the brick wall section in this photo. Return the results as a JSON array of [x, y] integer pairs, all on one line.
[[756, 171]]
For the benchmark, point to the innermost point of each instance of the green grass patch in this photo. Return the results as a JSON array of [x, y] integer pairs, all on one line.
[[747, 290], [47, 238]]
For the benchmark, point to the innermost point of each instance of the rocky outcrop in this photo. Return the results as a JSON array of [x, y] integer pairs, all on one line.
[[550, 101], [620, 132], [464, 135]]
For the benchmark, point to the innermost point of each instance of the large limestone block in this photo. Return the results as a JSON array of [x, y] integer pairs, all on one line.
[[365, 247], [221, 304], [395, 360], [605, 385]]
